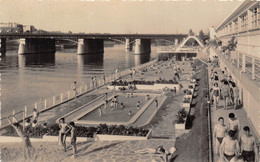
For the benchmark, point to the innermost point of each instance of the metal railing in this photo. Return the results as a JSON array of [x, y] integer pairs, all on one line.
[[44, 104]]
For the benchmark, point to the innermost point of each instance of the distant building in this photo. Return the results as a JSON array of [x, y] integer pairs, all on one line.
[[11, 28]]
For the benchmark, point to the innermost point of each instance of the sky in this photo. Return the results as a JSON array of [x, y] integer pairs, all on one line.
[[114, 16]]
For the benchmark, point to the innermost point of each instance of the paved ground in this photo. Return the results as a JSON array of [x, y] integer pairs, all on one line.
[[220, 112], [162, 126]]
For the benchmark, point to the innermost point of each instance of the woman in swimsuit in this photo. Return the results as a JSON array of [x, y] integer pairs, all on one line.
[[220, 131], [229, 148]]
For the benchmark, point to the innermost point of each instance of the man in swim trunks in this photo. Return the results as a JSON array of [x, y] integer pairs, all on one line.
[[220, 131], [62, 133], [229, 148], [234, 124], [247, 143]]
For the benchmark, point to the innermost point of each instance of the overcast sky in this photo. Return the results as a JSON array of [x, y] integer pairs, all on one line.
[[147, 16]]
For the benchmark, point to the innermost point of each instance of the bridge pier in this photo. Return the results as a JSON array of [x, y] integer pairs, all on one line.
[[36, 46], [128, 45], [90, 46], [142, 46], [3, 45]]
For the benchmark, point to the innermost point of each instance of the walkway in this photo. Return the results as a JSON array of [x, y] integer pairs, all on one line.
[[220, 112]]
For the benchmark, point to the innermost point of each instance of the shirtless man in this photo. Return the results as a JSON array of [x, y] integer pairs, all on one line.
[[229, 148], [62, 133], [19, 130], [247, 143], [220, 131], [234, 124]]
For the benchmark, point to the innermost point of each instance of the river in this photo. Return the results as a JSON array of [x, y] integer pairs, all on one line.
[[28, 78]]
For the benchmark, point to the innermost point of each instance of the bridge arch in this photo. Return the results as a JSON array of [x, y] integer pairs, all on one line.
[[187, 39]]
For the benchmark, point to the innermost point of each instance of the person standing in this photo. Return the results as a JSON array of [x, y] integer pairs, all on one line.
[[229, 148], [220, 131], [247, 144], [215, 94], [19, 130], [226, 93], [234, 124], [62, 133], [104, 79], [73, 137], [236, 95], [74, 88]]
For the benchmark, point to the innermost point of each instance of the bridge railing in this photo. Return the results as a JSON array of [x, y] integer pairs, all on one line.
[[44, 104]]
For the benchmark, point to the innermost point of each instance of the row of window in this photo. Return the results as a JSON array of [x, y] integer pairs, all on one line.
[[241, 23]]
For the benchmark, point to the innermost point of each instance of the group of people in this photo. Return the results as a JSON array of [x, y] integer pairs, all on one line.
[[232, 147], [65, 129], [224, 88]]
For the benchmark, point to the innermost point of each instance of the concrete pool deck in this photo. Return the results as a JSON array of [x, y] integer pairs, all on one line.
[[162, 125]]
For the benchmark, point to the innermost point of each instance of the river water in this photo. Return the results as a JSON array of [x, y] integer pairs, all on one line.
[[28, 78]]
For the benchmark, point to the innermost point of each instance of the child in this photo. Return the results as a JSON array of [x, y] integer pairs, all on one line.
[[122, 105], [62, 133], [28, 123], [35, 114], [100, 113], [34, 123], [148, 97], [130, 113], [156, 103], [138, 105], [73, 137]]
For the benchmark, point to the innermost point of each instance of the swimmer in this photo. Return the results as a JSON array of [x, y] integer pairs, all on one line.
[[220, 130]]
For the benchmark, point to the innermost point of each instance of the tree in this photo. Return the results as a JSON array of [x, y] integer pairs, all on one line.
[[191, 33], [201, 35]]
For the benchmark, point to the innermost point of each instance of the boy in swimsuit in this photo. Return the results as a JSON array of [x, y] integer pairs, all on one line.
[[234, 124], [220, 131], [229, 148], [62, 133], [247, 143], [19, 130]]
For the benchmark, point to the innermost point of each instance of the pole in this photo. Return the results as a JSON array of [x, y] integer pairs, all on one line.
[[25, 110], [61, 98], [13, 116], [45, 103], [53, 100]]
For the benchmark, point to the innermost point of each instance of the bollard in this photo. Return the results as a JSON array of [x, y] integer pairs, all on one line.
[[53, 100], [45, 103], [25, 110], [68, 94], [35, 105], [13, 116], [61, 98]]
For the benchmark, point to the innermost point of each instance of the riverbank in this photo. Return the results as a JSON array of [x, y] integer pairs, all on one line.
[[162, 126]]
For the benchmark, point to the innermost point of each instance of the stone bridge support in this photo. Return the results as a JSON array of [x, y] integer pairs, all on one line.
[[142, 46], [128, 45], [36, 46], [3, 45], [90, 46]]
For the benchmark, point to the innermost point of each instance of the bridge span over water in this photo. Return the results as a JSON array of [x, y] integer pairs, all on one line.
[[87, 43]]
